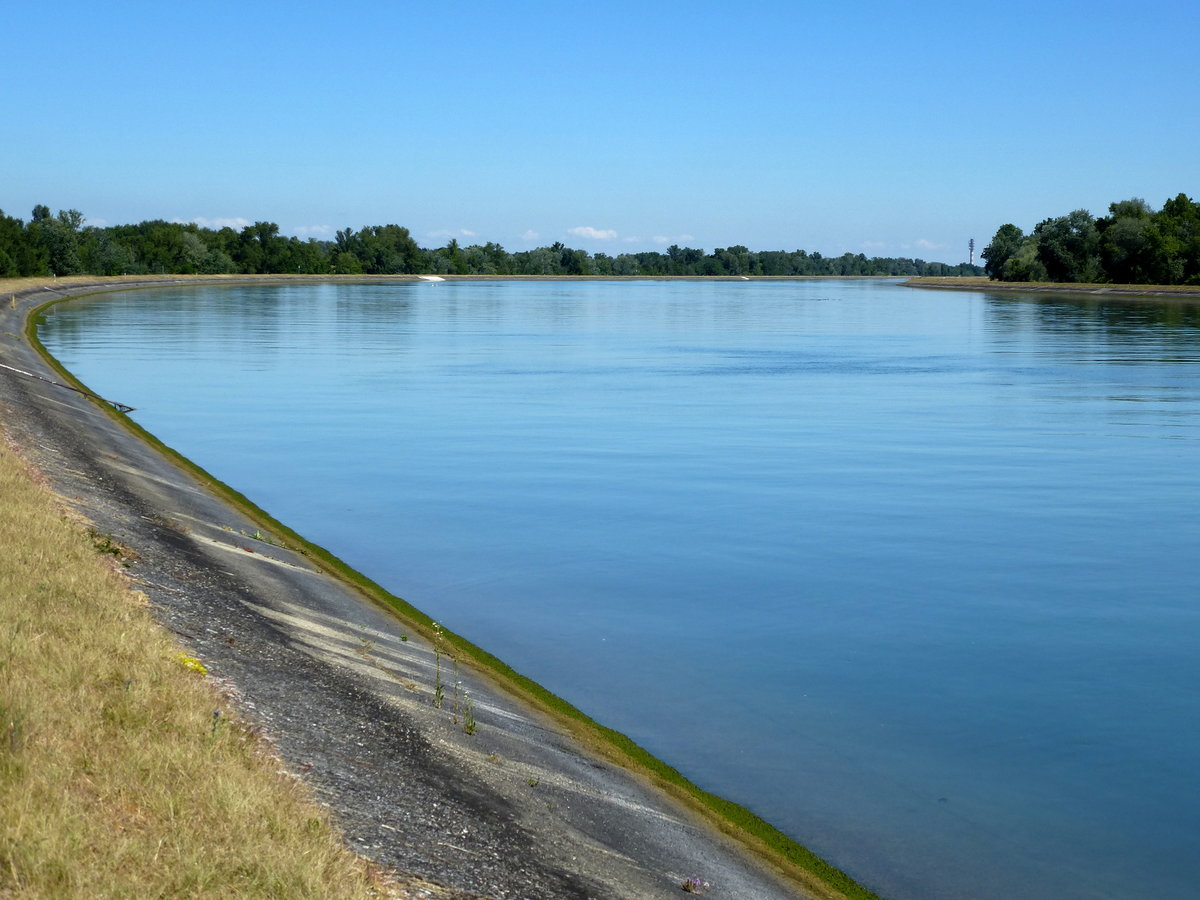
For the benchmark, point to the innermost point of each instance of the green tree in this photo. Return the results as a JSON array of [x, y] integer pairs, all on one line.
[[1024, 265], [1005, 244], [102, 254], [59, 238], [20, 255], [539, 261], [684, 260], [1069, 247], [474, 260], [1175, 242], [625, 264], [384, 250], [261, 249], [498, 258], [218, 262], [346, 263], [574, 262], [193, 252], [1126, 241], [12, 237]]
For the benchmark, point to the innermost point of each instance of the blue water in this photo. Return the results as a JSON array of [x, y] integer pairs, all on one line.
[[911, 574]]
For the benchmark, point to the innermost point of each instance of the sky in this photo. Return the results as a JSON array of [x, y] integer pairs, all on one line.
[[887, 128]]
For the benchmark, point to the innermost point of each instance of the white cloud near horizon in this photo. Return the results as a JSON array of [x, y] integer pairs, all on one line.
[[530, 235], [316, 231], [924, 244], [678, 239], [593, 234]]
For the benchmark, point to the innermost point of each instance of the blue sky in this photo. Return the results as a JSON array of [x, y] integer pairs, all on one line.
[[882, 127]]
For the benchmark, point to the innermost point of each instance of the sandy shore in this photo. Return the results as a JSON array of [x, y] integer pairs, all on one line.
[[519, 808]]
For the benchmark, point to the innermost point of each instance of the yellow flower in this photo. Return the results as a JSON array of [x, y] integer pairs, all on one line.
[[190, 662]]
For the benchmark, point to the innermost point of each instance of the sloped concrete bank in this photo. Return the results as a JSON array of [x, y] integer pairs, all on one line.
[[1159, 293], [516, 809]]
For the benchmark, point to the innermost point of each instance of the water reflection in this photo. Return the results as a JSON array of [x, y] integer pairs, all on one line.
[[1169, 329]]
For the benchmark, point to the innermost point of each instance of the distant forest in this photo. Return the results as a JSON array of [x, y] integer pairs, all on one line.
[[65, 245], [1133, 244]]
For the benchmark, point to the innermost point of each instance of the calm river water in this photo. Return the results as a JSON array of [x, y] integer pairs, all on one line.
[[911, 574]]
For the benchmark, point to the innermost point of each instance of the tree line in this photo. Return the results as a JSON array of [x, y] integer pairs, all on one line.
[[1133, 244], [63, 244]]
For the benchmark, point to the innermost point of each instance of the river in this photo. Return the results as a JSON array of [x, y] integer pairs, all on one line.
[[911, 574]]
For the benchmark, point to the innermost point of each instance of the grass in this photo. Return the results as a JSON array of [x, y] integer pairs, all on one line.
[[115, 779], [761, 838]]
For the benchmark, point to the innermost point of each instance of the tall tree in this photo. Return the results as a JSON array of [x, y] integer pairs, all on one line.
[[1126, 241], [59, 238], [1176, 242], [20, 255], [1004, 245], [1069, 247]]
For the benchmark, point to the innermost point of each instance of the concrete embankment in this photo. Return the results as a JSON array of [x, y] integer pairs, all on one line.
[[1157, 292], [347, 692]]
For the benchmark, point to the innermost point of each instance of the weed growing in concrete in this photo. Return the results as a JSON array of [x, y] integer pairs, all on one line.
[[457, 692], [256, 535], [463, 708], [439, 689], [468, 713], [107, 545]]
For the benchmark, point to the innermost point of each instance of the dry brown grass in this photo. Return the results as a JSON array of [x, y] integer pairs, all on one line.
[[116, 779]]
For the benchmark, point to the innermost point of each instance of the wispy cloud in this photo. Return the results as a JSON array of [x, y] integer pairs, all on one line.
[[219, 222], [923, 244], [873, 245], [678, 239], [530, 235], [593, 234], [317, 231]]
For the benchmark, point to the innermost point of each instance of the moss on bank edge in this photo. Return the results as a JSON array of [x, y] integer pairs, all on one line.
[[759, 837]]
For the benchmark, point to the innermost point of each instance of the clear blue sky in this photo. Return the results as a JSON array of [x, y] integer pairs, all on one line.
[[883, 127]]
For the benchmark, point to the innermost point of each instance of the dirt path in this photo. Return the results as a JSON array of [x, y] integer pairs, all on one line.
[[516, 809]]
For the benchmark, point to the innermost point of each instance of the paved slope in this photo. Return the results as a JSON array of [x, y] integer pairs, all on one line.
[[515, 810]]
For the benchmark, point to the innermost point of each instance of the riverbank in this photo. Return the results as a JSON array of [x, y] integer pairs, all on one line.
[[368, 711], [84, 720], [1132, 291]]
